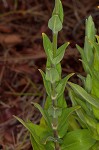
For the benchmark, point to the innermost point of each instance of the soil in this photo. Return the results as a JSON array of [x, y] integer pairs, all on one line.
[[22, 54]]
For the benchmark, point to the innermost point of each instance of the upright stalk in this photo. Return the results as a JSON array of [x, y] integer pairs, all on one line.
[[56, 6], [54, 95], [54, 43]]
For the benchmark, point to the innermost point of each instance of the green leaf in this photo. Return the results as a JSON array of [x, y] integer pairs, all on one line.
[[73, 123], [90, 36], [47, 84], [52, 75], [61, 101], [82, 78], [55, 112], [84, 114], [60, 53], [43, 139], [81, 92], [47, 46], [58, 10], [88, 83], [35, 146], [59, 69], [78, 139], [82, 104], [44, 114], [63, 120], [62, 84], [33, 129], [95, 84], [74, 103], [91, 122], [61, 14], [83, 56], [96, 112], [88, 51], [95, 146], [55, 24], [90, 29], [96, 55]]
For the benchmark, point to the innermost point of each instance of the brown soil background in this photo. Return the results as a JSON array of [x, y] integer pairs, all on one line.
[[21, 55]]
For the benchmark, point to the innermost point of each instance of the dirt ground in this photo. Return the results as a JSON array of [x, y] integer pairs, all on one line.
[[21, 55]]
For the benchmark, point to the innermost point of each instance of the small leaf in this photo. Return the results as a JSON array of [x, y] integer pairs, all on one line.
[[35, 137], [90, 29], [61, 102], [84, 59], [62, 84], [60, 53], [88, 83], [96, 55], [52, 75], [74, 103], [66, 112], [44, 114], [90, 36], [61, 14], [55, 24], [82, 104], [81, 92], [47, 46], [55, 112], [82, 78], [59, 69], [96, 112], [88, 51], [35, 146], [58, 10], [46, 83]]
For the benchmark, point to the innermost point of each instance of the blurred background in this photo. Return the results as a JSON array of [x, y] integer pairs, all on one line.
[[21, 55]]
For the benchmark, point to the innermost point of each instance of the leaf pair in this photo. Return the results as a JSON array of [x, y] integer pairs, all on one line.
[[84, 95], [37, 134], [48, 49], [56, 21]]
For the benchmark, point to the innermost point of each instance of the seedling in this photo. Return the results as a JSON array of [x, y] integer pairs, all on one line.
[[58, 128]]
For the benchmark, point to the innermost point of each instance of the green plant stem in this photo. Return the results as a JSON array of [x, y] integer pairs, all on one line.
[[54, 100], [54, 43], [56, 6]]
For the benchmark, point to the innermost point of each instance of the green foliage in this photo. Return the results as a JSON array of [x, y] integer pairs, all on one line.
[[56, 21], [81, 92], [79, 139], [62, 127], [55, 24], [53, 125], [52, 75], [63, 120], [60, 53], [88, 95]]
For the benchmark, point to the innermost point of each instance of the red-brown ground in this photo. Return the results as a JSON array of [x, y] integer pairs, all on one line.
[[22, 54]]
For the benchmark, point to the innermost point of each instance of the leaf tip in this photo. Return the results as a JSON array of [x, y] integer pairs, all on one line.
[[43, 34], [68, 43], [39, 70]]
